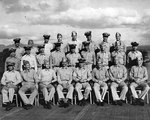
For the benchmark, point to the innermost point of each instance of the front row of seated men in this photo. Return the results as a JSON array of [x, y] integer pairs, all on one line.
[[74, 79]]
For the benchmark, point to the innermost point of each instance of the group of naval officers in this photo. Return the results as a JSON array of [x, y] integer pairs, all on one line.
[[76, 66]]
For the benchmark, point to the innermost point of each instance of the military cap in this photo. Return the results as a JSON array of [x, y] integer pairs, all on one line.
[[134, 43], [27, 48], [81, 60], [17, 40], [46, 36], [72, 46], [10, 63], [106, 34], [117, 33], [86, 43], [88, 33], [59, 34], [12, 50], [73, 32], [58, 44]]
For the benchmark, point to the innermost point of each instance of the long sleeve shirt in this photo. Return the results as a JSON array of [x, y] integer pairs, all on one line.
[[32, 60], [139, 73], [47, 76], [13, 77], [30, 76], [100, 74], [82, 75], [106, 44], [118, 73], [64, 74], [40, 59], [103, 57]]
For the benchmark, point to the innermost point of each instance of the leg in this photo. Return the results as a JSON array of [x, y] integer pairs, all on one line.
[[145, 89], [11, 94], [104, 88], [97, 92], [133, 86], [113, 88], [78, 89], [87, 90], [34, 93], [51, 90], [5, 95], [59, 91], [70, 92], [124, 90]]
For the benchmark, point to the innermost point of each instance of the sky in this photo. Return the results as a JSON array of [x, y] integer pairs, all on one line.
[[30, 19]]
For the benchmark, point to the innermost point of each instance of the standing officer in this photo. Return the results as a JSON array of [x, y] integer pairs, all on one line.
[[133, 55], [92, 44], [34, 50], [105, 41], [41, 57], [74, 41], [57, 56], [103, 56], [30, 58], [10, 79], [48, 46], [139, 77], [100, 76], [118, 75], [119, 43], [12, 59], [19, 50], [82, 76], [88, 55], [64, 75], [72, 56], [30, 80], [121, 55], [47, 77]]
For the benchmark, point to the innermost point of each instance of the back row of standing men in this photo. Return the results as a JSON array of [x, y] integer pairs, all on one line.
[[92, 58]]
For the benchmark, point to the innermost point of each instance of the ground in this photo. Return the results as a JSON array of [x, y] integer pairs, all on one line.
[[74, 112]]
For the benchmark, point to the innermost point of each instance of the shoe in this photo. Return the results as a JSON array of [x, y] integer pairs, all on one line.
[[8, 108], [66, 105], [61, 103], [49, 105], [114, 102], [5, 104], [27, 106], [141, 102], [80, 103], [102, 103]]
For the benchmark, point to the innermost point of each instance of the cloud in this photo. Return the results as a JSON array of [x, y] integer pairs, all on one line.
[[13, 6], [89, 18], [7, 32]]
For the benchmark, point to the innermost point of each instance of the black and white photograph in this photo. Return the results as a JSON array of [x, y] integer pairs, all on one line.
[[74, 59]]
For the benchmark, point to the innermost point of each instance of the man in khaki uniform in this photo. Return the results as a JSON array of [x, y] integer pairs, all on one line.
[[10, 79], [119, 43], [92, 44], [105, 41], [34, 50], [118, 75], [57, 56], [82, 76], [47, 77], [100, 76], [64, 76], [19, 50], [30, 80], [72, 56], [139, 77], [103, 56], [88, 56]]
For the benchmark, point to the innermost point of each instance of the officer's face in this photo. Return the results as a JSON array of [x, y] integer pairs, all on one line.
[[89, 37], [58, 48], [27, 66], [103, 48], [13, 54], [27, 52], [10, 68], [116, 61], [47, 65], [46, 40], [17, 44], [74, 36], [81, 65], [100, 65], [105, 38], [134, 48], [41, 50], [30, 43], [87, 47], [140, 62], [118, 37], [72, 50], [59, 38], [64, 64]]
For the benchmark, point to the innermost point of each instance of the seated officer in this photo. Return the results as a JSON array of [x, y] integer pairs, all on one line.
[[100, 76], [64, 76], [118, 75], [47, 77], [82, 76], [10, 80], [30, 80], [139, 77]]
